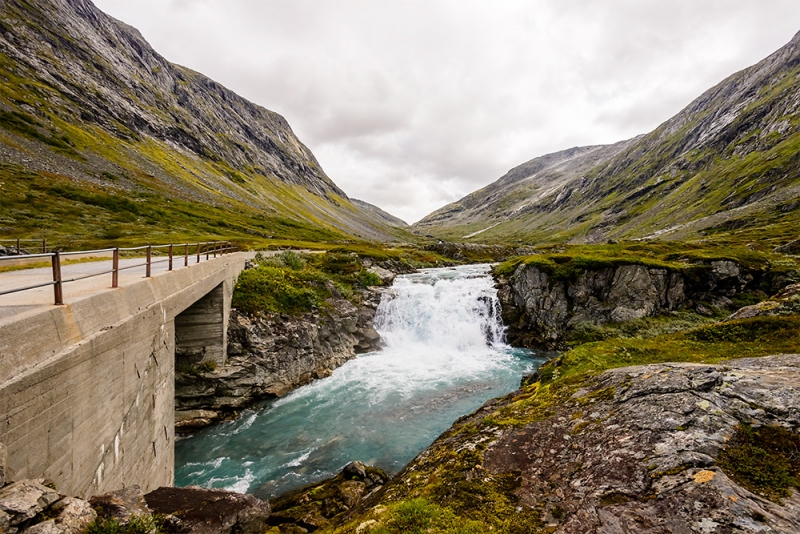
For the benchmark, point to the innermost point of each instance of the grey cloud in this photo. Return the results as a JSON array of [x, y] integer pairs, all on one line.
[[410, 104]]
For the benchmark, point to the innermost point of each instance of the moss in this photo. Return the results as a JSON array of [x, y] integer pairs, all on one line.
[[763, 460], [136, 524]]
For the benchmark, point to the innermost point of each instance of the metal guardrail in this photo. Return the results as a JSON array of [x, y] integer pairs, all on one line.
[[209, 249], [18, 242]]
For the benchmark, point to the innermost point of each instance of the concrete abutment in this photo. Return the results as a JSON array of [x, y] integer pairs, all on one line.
[[87, 389]]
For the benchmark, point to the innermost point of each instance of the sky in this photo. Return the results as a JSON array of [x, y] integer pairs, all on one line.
[[412, 104]]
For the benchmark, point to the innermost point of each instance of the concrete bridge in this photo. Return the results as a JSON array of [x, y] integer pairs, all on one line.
[[87, 388]]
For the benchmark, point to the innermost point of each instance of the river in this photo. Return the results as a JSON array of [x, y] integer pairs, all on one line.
[[444, 357]]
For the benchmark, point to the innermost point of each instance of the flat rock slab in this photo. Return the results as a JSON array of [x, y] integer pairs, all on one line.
[[206, 511], [636, 452]]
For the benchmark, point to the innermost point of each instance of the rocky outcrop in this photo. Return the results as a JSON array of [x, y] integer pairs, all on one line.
[[638, 450], [194, 510], [271, 354], [33, 506], [787, 302], [319, 505], [541, 310]]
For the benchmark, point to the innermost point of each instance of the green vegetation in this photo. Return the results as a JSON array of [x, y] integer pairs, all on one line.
[[296, 283], [418, 516], [764, 460], [136, 524], [566, 262]]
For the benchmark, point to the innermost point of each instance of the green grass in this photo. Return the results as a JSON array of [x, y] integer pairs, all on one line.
[[295, 283], [564, 262]]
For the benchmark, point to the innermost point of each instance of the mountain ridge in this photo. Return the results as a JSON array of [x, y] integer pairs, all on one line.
[[88, 94], [726, 163]]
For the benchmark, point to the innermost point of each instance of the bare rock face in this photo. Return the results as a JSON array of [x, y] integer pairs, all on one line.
[[272, 354], [541, 310], [30, 506], [196, 510], [638, 450]]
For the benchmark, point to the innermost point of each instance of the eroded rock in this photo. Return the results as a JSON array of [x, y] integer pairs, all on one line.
[[271, 354], [541, 310], [636, 451]]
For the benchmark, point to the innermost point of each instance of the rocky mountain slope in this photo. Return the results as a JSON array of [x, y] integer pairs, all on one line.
[[99, 132], [727, 164]]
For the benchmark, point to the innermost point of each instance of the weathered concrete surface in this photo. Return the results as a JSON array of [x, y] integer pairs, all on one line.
[[87, 389]]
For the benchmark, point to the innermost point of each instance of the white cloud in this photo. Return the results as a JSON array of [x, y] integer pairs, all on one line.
[[410, 104]]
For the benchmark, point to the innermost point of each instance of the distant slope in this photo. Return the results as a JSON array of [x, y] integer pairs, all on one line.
[[728, 164], [100, 131], [388, 218]]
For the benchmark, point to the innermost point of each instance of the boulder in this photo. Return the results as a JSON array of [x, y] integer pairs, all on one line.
[[25, 499], [195, 510], [121, 504]]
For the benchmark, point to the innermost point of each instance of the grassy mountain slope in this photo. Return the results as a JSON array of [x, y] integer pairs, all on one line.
[[728, 165], [103, 138]]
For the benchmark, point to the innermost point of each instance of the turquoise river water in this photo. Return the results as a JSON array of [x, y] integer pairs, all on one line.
[[444, 357]]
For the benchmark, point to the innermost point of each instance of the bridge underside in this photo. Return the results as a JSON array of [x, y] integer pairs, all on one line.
[[87, 390]]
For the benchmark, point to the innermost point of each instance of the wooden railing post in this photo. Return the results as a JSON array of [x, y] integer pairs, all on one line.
[[186, 255], [198, 253], [115, 268], [44, 246], [207, 246], [170, 257], [215, 249], [57, 290], [18, 249], [149, 257]]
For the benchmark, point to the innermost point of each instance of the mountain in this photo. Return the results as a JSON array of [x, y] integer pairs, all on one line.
[[388, 218], [101, 138], [727, 165]]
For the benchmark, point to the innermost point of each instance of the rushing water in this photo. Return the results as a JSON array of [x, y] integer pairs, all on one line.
[[444, 357]]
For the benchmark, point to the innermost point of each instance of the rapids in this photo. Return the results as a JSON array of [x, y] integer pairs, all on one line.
[[444, 357]]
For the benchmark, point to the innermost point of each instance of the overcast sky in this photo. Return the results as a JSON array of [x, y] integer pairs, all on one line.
[[411, 104]]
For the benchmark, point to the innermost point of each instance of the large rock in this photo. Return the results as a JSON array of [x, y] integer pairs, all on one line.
[[196, 510], [121, 504], [25, 499], [637, 451], [320, 505], [541, 310]]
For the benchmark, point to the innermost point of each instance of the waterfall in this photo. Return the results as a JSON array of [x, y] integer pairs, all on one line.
[[444, 357], [453, 309]]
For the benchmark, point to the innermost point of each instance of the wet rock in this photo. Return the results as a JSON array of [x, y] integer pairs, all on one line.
[[196, 510], [121, 504], [24, 499]]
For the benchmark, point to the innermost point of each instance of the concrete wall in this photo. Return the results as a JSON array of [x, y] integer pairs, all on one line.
[[201, 333], [87, 389]]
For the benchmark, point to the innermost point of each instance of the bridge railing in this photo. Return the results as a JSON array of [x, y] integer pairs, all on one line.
[[184, 251]]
